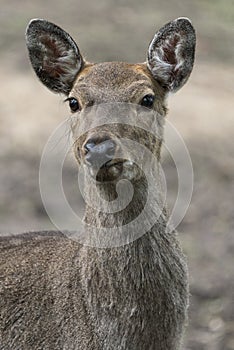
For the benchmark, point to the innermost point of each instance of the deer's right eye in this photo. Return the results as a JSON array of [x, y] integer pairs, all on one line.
[[73, 104]]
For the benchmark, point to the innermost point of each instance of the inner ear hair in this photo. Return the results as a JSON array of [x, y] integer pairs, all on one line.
[[171, 54], [54, 55]]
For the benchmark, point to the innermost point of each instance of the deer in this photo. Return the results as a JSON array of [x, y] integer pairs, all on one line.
[[59, 294]]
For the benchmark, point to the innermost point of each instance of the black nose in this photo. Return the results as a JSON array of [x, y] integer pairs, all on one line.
[[99, 152]]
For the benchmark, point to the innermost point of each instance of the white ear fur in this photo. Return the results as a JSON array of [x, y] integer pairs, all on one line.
[[54, 55], [171, 54]]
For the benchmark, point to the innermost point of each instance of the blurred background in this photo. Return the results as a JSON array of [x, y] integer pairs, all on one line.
[[202, 112]]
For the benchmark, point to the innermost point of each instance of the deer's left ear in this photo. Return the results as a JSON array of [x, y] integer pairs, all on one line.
[[171, 54]]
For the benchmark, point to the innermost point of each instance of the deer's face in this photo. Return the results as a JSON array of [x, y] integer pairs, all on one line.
[[115, 102], [107, 97]]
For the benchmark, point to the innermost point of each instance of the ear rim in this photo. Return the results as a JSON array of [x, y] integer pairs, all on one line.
[[33, 30], [183, 24]]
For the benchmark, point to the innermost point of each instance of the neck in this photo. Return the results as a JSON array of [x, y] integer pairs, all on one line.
[[123, 212]]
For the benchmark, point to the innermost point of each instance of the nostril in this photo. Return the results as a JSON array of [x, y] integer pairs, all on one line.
[[89, 145], [110, 148]]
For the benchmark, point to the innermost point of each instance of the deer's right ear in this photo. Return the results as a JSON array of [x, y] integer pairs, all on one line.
[[54, 55]]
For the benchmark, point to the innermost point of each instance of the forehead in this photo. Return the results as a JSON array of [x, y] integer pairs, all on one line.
[[113, 79], [113, 73]]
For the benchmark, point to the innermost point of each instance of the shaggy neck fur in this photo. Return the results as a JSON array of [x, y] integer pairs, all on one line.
[[144, 269]]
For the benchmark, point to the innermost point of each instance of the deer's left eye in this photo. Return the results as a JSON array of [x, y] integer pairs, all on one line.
[[73, 104], [148, 101]]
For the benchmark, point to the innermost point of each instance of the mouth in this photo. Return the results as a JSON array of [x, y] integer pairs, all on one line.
[[109, 171], [112, 163]]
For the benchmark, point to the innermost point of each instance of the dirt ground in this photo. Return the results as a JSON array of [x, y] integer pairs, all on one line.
[[202, 112]]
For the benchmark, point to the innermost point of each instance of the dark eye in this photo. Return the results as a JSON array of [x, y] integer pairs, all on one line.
[[73, 104], [148, 101]]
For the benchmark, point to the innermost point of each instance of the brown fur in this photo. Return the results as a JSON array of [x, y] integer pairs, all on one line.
[[58, 294]]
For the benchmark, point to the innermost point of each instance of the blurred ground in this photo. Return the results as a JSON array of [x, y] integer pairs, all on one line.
[[202, 112]]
